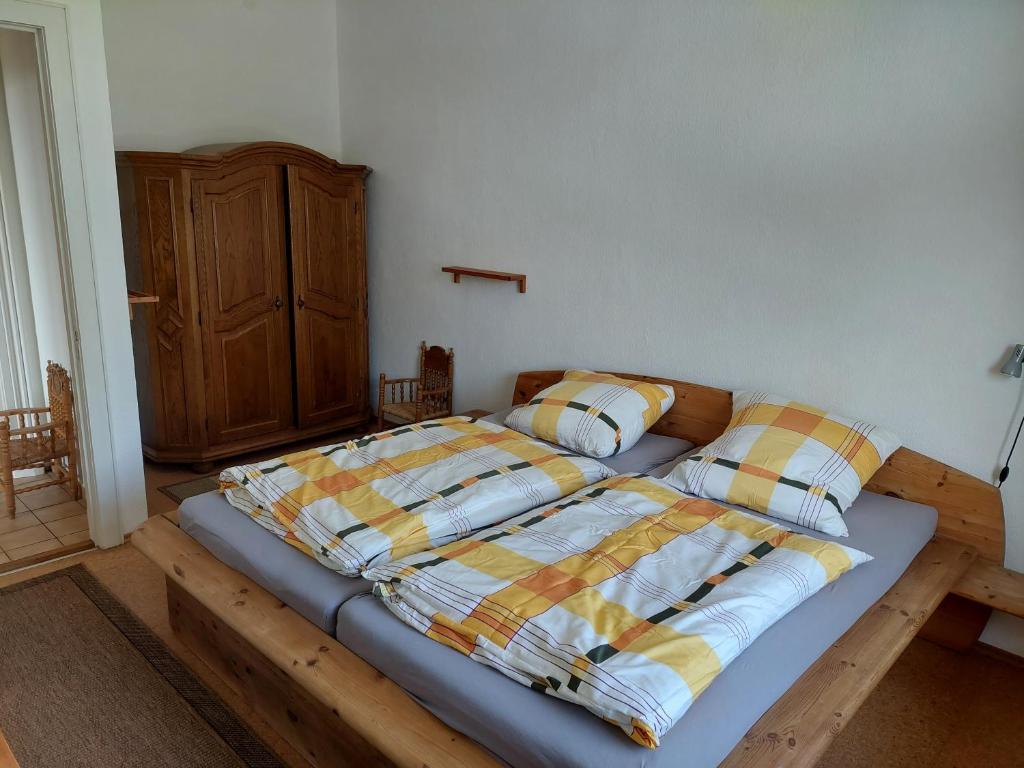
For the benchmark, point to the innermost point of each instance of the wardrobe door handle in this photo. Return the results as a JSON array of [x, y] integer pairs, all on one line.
[[301, 302], [278, 303]]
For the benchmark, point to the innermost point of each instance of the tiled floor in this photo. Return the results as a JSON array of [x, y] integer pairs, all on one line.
[[46, 520]]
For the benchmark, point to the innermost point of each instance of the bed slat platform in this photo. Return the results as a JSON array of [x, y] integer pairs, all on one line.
[[988, 583], [337, 710]]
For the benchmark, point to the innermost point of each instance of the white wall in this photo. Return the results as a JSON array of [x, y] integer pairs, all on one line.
[[821, 199], [191, 72], [34, 207]]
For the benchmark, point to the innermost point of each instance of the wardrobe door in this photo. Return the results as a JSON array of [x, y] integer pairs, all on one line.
[[329, 283], [243, 272]]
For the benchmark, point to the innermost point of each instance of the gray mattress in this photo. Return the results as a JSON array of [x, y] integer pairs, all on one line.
[[314, 591], [297, 580], [526, 728]]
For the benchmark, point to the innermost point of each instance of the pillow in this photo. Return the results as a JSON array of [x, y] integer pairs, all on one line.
[[650, 453], [595, 414], [788, 460]]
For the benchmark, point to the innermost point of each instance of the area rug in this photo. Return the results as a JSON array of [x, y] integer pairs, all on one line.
[[178, 492], [84, 683]]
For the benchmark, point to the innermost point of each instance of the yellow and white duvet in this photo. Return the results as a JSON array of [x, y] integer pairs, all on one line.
[[627, 598], [400, 492]]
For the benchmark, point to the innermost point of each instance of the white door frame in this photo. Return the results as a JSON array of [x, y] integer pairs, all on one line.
[[74, 77]]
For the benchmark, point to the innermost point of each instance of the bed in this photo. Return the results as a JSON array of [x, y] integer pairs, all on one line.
[[317, 593], [339, 710]]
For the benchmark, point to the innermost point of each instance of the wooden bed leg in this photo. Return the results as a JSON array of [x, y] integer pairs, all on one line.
[[315, 732], [956, 624]]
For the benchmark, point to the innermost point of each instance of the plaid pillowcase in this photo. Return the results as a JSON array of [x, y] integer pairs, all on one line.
[[595, 414], [788, 460]]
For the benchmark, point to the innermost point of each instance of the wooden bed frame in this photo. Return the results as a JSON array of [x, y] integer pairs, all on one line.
[[337, 710]]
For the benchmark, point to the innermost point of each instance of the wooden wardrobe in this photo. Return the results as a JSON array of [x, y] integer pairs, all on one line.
[[257, 254]]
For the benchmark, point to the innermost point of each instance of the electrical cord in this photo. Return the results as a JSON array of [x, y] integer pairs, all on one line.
[[1005, 471]]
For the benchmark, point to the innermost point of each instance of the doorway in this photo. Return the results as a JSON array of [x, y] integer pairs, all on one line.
[[66, 299], [42, 513]]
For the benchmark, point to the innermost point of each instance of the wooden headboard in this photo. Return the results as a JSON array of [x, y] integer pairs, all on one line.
[[970, 510]]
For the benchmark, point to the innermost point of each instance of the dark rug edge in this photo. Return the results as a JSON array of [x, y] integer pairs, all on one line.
[[167, 491], [238, 736]]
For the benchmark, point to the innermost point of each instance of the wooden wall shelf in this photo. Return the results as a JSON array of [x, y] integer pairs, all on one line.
[[490, 274]]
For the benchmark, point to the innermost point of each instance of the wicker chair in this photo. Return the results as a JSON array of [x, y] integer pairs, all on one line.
[[415, 399], [41, 438]]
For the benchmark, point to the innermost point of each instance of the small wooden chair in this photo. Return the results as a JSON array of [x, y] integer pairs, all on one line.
[[28, 441], [415, 399]]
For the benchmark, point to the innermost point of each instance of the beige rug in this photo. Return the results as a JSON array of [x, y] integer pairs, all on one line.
[[85, 683]]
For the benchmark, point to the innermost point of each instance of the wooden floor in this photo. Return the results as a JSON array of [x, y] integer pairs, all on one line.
[[935, 708], [6, 756], [47, 522], [160, 475]]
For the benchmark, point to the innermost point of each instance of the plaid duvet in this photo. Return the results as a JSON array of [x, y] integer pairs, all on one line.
[[404, 491], [627, 598]]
